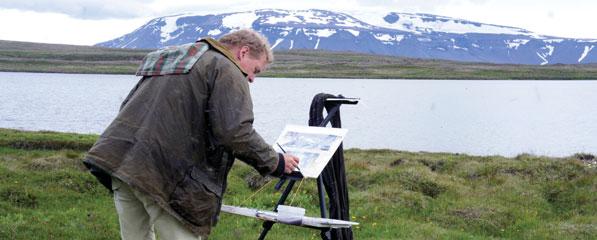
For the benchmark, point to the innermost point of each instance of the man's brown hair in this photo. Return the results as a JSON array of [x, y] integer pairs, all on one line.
[[256, 42]]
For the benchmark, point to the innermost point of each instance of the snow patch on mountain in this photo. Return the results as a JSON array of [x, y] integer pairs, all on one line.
[[550, 48], [388, 39], [585, 53], [239, 20], [547, 51], [278, 41], [515, 43], [132, 41], [283, 19], [353, 32], [554, 40], [426, 23], [168, 28], [313, 17], [318, 32], [214, 32], [455, 46], [542, 58]]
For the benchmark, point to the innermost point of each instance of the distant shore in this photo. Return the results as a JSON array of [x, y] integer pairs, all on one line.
[[55, 58], [51, 140]]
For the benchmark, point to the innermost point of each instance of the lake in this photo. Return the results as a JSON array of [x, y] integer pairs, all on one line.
[[554, 118]]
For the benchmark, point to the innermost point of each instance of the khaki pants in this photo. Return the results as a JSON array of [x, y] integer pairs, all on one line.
[[140, 218]]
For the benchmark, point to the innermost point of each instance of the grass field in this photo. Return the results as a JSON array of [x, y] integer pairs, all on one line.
[[46, 193], [38, 57]]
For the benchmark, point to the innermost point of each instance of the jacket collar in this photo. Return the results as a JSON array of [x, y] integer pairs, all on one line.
[[223, 50]]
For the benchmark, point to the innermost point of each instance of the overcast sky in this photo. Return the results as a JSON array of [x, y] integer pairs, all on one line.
[[86, 22]]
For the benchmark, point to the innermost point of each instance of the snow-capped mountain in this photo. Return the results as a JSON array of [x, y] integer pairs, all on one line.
[[396, 34]]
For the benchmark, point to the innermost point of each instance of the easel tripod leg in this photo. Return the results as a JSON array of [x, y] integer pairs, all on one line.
[[267, 225], [322, 207]]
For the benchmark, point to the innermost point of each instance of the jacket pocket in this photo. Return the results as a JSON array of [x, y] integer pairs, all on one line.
[[194, 202]]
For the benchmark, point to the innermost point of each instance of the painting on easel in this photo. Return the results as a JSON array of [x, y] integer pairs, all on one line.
[[313, 145]]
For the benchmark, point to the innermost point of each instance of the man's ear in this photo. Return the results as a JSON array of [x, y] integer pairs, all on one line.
[[243, 52]]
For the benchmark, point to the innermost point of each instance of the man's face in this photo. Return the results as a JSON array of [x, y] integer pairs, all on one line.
[[250, 64]]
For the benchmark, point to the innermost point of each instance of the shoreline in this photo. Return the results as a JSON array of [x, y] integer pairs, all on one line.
[[337, 76], [330, 77], [53, 140]]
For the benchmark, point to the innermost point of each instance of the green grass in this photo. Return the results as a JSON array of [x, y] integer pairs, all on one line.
[[45, 140], [48, 194], [38, 57]]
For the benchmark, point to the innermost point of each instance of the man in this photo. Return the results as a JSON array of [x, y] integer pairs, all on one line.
[[167, 154]]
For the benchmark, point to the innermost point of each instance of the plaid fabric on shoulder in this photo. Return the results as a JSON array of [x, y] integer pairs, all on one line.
[[172, 60]]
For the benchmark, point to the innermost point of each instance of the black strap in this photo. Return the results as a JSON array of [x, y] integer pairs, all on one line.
[[333, 175]]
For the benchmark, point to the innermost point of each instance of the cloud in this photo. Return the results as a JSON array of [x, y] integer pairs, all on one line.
[[105, 9], [82, 9], [558, 18], [406, 5], [211, 7]]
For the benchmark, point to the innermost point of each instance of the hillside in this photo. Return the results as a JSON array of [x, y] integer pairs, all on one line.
[[46, 191], [39, 57]]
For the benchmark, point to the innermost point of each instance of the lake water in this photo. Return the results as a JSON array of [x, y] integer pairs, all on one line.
[[554, 118]]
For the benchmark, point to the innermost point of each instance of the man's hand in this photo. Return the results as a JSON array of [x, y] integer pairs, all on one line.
[[290, 163]]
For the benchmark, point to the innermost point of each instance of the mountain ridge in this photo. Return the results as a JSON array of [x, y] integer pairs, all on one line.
[[401, 34], [424, 36]]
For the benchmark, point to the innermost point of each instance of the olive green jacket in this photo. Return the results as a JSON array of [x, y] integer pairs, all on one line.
[[176, 136]]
